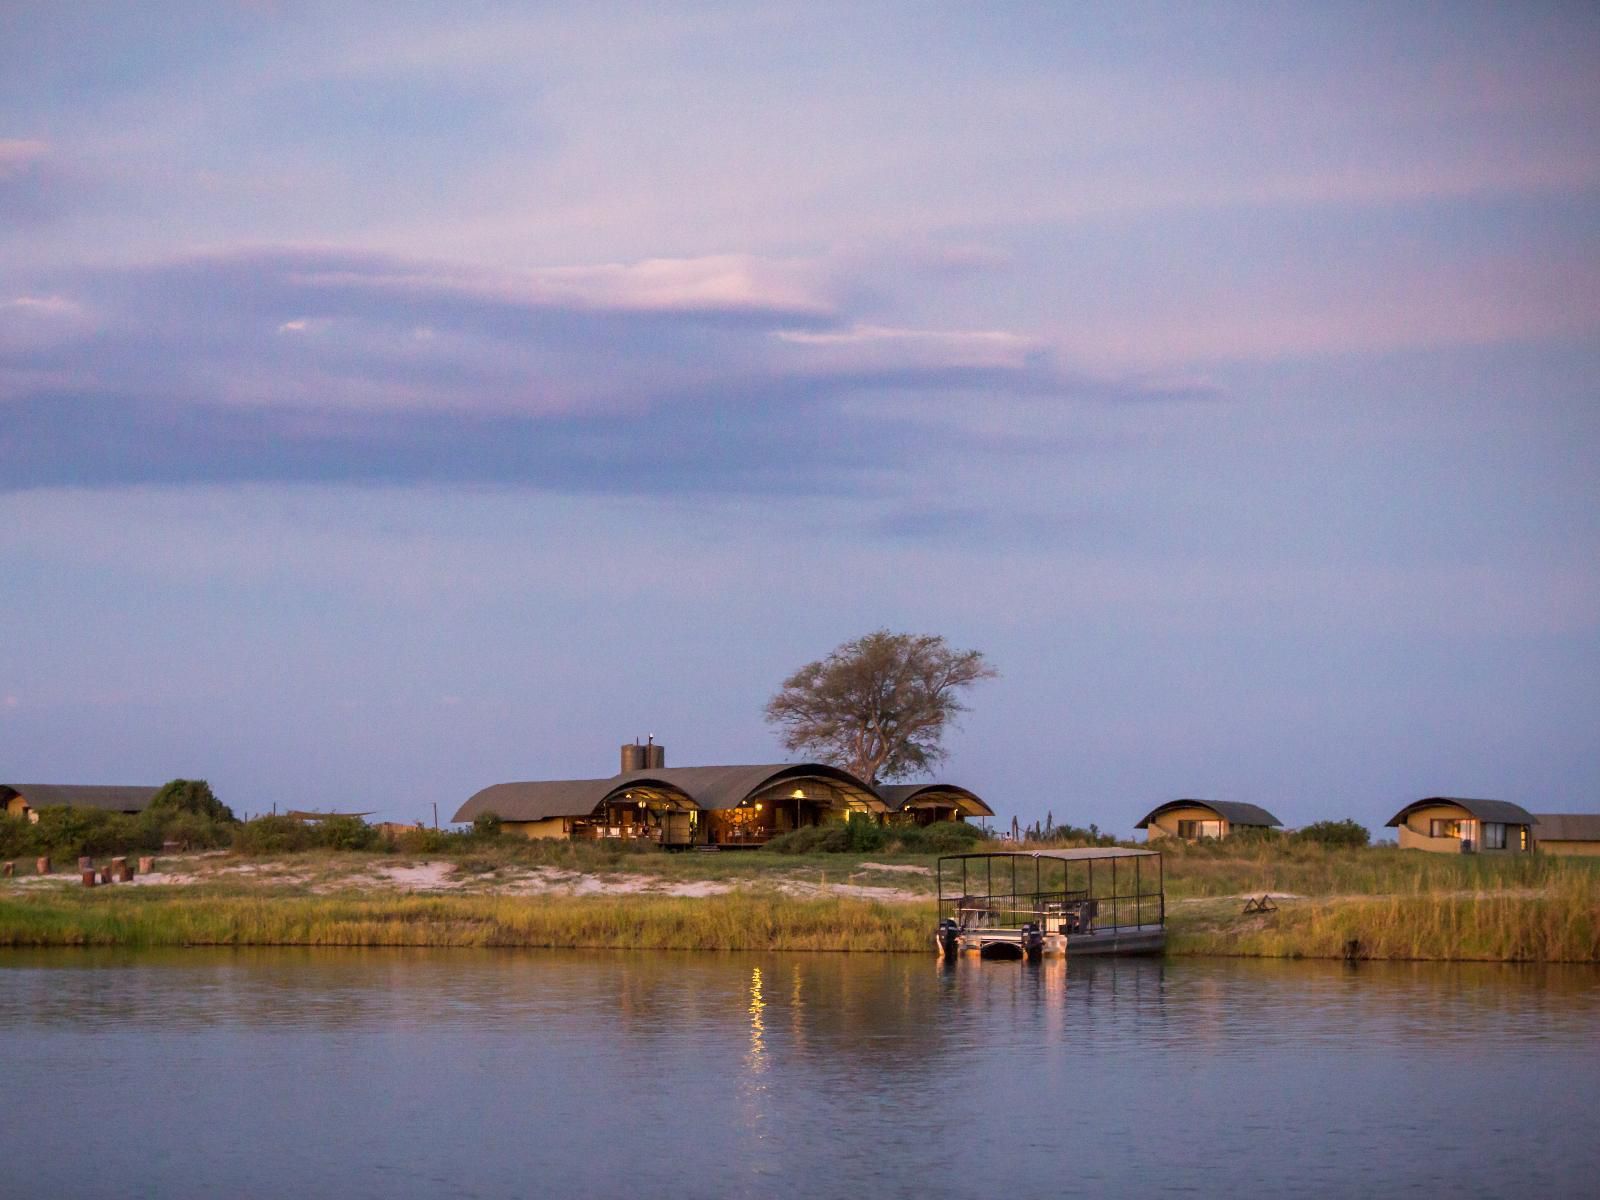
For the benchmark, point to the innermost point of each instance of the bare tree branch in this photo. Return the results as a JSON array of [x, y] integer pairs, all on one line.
[[879, 705]]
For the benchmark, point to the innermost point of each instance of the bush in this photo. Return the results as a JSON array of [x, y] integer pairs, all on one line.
[[286, 835], [425, 841], [866, 835], [861, 834], [942, 837], [1335, 833], [272, 835], [833, 838], [192, 796], [189, 829], [486, 826], [344, 833]]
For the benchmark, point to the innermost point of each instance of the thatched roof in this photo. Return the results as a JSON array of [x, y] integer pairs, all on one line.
[[111, 798], [899, 796], [1234, 812], [1501, 811]]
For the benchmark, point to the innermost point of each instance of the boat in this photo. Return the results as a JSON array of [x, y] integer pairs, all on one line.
[[1027, 904]]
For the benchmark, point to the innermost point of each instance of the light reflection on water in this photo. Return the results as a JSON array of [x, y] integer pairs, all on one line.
[[477, 1073]]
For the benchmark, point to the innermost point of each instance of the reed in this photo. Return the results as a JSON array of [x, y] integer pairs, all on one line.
[[737, 921], [1556, 922]]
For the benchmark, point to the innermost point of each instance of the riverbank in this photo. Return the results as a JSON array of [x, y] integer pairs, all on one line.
[[1374, 903]]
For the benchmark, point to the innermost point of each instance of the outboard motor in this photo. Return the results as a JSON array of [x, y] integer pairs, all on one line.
[[945, 937], [1032, 942]]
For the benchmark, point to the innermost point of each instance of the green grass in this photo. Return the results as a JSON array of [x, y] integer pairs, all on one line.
[[738, 921], [1385, 903], [1391, 903]]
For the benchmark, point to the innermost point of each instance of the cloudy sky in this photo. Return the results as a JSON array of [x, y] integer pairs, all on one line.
[[400, 399]]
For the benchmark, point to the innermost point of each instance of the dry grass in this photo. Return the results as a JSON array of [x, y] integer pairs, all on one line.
[[738, 921], [1497, 921], [1391, 903]]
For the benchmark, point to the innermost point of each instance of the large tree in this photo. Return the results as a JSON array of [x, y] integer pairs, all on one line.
[[878, 706]]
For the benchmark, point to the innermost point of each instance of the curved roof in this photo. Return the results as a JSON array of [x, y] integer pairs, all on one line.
[[1232, 811], [1502, 811], [707, 787], [729, 787], [898, 796], [537, 801], [112, 798]]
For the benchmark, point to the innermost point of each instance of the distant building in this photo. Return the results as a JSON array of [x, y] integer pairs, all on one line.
[[706, 806], [1460, 825], [1192, 820], [1567, 833], [25, 799], [930, 803]]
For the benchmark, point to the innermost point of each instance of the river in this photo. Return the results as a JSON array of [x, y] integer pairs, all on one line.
[[399, 1074]]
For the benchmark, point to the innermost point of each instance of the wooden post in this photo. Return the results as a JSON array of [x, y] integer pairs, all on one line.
[[8, 869], [119, 870], [42, 866], [88, 877], [105, 875], [147, 864]]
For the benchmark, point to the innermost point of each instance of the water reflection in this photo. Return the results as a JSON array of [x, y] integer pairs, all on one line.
[[420, 1073]]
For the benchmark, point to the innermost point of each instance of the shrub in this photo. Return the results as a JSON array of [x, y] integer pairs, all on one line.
[[486, 826], [193, 796], [833, 838], [190, 829], [344, 833], [272, 835], [1335, 833], [866, 835], [942, 837], [425, 841], [861, 834]]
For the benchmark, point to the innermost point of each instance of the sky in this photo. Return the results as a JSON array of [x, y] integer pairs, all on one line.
[[398, 399]]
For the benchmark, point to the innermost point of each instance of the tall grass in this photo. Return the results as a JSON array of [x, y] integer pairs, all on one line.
[[737, 921], [1558, 921], [1232, 867], [1370, 903]]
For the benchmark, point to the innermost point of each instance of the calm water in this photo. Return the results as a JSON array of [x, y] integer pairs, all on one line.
[[451, 1073]]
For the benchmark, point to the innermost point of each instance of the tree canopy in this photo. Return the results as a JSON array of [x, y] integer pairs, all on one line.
[[191, 796], [878, 706]]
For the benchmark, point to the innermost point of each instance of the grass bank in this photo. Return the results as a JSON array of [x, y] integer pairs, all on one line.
[[737, 921], [1390, 904], [1557, 923]]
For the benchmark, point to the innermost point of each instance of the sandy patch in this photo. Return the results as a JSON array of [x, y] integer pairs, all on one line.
[[910, 868], [798, 887], [417, 877]]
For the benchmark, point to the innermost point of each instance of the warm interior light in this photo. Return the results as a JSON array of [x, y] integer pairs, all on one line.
[[799, 794], [758, 808]]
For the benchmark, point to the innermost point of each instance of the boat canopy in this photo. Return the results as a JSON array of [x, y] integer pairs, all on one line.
[[1073, 854]]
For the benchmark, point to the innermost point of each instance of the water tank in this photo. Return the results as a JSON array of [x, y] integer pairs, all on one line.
[[655, 757], [633, 757]]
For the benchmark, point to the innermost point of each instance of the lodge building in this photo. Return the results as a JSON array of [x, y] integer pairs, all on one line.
[[1460, 825], [26, 799], [1191, 820], [709, 806]]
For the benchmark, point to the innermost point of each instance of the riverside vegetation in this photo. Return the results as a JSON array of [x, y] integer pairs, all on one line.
[[840, 888]]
